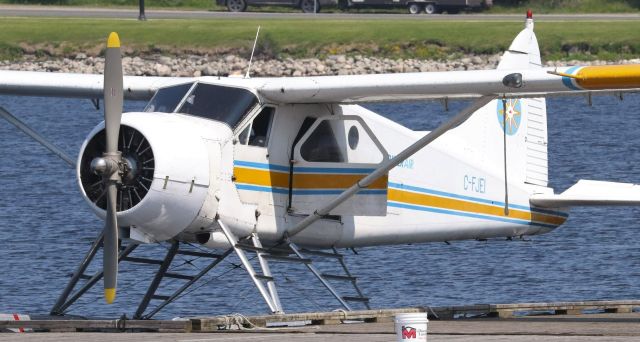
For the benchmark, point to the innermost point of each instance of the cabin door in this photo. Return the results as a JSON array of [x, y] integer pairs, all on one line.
[[330, 155], [251, 158]]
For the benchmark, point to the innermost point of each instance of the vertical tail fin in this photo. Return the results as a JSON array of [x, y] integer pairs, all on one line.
[[524, 51], [526, 122]]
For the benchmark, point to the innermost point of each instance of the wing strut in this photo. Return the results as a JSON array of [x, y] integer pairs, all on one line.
[[36, 136], [389, 164], [504, 154]]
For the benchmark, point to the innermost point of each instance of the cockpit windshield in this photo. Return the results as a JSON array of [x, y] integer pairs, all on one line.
[[215, 102], [167, 99], [219, 103]]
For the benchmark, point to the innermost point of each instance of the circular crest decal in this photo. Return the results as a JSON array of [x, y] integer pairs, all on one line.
[[513, 115]]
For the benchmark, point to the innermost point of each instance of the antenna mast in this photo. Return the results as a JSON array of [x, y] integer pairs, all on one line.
[[255, 42]]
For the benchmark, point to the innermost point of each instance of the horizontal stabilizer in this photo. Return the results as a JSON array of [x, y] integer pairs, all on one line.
[[591, 193]]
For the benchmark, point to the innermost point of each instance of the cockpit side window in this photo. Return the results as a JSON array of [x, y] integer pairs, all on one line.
[[242, 138], [167, 99], [257, 132], [260, 127], [219, 103]]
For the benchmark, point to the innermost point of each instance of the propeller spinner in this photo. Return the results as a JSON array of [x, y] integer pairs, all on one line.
[[110, 165]]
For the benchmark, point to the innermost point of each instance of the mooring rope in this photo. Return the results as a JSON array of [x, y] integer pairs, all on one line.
[[344, 313], [242, 322], [433, 312], [238, 319]]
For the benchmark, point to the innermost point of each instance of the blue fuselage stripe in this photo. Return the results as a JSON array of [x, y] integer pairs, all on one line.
[[472, 199], [307, 191], [282, 168], [466, 214]]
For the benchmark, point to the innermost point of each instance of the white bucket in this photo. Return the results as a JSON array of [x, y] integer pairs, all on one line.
[[411, 326], [15, 317]]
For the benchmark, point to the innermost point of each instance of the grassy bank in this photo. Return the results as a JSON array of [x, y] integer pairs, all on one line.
[[501, 6], [309, 38]]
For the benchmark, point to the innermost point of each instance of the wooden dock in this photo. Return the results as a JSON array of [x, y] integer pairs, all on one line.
[[207, 324], [533, 312], [573, 328]]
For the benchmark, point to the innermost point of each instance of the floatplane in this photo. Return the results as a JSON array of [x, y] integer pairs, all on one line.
[[289, 168]]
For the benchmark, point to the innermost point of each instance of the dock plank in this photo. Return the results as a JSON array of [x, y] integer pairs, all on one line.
[[92, 325]]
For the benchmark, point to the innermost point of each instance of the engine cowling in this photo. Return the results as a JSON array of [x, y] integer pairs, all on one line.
[[169, 178]]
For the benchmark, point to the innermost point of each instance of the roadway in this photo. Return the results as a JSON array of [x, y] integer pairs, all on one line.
[[92, 12]]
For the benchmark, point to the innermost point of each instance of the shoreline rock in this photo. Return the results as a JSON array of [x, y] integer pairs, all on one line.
[[194, 65]]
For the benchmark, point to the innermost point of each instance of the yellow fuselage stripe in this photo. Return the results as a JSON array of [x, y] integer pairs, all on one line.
[[341, 181], [467, 206], [302, 180]]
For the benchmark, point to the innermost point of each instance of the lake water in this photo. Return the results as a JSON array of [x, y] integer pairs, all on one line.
[[46, 228]]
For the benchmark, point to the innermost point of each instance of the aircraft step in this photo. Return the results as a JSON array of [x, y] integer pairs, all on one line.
[[356, 299], [199, 254], [264, 277], [143, 260], [159, 297], [287, 259], [320, 253], [338, 277], [178, 276], [84, 276], [250, 248], [336, 218]]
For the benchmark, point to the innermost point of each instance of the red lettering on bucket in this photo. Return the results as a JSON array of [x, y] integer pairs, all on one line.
[[408, 332], [17, 318]]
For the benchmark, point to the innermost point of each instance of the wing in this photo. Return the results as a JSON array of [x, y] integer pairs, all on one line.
[[519, 74], [354, 88], [453, 84], [78, 85]]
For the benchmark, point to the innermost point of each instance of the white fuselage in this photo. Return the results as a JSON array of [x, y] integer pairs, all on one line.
[[451, 190]]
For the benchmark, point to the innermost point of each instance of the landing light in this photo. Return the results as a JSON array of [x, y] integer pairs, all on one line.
[[513, 80]]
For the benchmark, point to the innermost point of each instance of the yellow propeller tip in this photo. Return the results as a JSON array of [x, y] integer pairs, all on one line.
[[113, 41], [110, 295]]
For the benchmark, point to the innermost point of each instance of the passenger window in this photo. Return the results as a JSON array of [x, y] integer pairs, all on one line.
[[322, 146], [306, 124]]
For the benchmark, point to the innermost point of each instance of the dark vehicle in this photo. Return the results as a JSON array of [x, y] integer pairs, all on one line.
[[307, 6], [417, 6]]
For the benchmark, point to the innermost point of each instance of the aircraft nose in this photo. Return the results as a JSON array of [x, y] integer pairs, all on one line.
[[170, 173]]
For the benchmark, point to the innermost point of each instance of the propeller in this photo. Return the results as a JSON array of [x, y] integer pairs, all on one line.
[[109, 165]]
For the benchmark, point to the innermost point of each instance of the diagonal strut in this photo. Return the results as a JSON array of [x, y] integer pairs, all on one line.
[[36, 136]]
